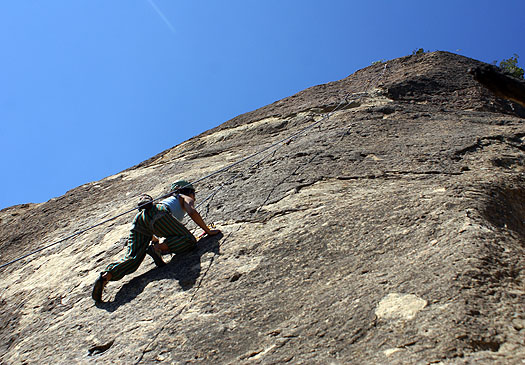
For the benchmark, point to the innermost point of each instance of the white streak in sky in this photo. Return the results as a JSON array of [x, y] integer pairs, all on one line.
[[155, 7]]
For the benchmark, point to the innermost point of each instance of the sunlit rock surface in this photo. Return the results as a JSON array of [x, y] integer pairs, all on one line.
[[391, 232]]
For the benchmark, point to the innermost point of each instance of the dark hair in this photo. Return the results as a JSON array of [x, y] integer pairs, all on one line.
[[186, 191], [145, 202]]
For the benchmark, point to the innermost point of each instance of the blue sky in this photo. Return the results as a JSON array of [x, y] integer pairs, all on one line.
[[89, 88]]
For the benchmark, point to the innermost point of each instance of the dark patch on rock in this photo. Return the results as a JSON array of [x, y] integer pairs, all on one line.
[[502, 85], [99, 349]]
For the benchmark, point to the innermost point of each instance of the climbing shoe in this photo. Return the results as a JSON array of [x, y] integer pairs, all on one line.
[[98, 288], [155, 256]]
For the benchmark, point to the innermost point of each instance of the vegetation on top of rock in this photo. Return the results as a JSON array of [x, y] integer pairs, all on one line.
[[510, 67], [418, 51]]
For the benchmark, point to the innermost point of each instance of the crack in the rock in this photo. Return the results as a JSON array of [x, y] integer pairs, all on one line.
[[513, 141], [391, 173], [428, 172], [275, 186]]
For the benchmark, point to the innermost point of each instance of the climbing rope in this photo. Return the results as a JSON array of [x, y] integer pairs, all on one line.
[[279, 142], [376, 79], [282, 143]]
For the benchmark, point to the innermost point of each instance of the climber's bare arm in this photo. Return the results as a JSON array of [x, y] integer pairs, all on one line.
[[189, 207]]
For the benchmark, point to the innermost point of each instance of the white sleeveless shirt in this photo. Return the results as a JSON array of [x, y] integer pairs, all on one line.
[[175, 208]]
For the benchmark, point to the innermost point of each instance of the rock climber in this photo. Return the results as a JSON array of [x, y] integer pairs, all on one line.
[[163, 219]]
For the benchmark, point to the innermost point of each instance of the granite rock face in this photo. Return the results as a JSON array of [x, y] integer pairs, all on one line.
[[390, 232]]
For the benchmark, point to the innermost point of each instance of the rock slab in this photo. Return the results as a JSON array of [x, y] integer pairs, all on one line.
[[391, 232]]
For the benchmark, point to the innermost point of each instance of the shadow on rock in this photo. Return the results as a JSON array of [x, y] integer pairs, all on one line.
[[186, 268]]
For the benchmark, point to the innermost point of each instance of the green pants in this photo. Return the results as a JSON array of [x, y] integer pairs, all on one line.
[[156, 221]]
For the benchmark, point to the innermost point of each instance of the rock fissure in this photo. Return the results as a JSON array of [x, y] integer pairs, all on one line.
[[514, 141]]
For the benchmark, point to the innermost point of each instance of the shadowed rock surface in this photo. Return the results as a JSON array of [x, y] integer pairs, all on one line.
[[502, 85], [392, 232]]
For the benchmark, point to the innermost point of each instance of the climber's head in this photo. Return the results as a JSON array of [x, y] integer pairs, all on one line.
[[183, 187]]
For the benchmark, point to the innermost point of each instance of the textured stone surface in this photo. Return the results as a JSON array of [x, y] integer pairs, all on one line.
[[392, 232]]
